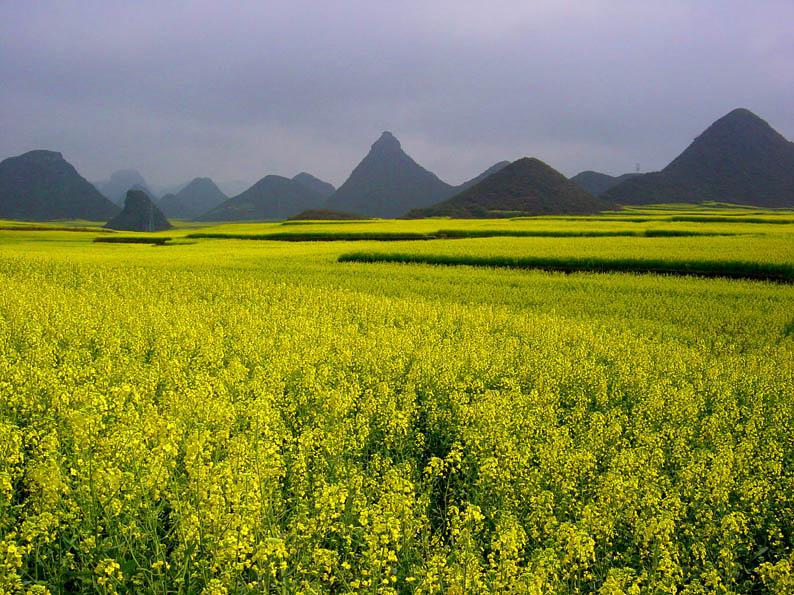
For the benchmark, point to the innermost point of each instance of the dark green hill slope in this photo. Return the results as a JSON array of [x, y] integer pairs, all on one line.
[[172, 207], [525, 187], [42, 185], [325, 214], [272, 197], [739, 159]]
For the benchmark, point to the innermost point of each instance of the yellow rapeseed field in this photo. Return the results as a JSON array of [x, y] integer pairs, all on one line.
[[233, 416]]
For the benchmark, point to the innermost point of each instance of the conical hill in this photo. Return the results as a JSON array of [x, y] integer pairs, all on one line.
[[739, 159], [41, 185], [387, 183], [199, 196], [139, 214], [526, 187], [272, 197]]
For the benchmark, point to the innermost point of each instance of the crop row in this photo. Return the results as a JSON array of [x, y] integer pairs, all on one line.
[[446, 234], [704, 268]]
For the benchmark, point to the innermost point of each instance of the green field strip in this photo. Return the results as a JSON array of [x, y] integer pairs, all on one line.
[[315, 237], [738, 218], [448, 234], [781, 273], [726, 219], [132, 240], [331, 221]]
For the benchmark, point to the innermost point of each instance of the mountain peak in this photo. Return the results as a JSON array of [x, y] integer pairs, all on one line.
[[386, 141], [741, 113], [42, 155], [316, 184], [739, 159], [41, 185], [199, 183], [528, 186], [597, 183], [128, 175], [115, 188], [387, 183], [272, 197], [730, 142], [740, 122]]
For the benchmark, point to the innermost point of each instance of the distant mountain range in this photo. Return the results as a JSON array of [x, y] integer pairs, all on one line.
[[196, 198], [115, 189], [42, 185], [738, 159], [139, 214], [525, 187], [597, 183], [272, 197]]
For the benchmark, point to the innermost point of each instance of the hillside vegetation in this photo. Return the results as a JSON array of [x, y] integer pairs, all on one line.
[[525, 187], [42, 186], [738, 159]]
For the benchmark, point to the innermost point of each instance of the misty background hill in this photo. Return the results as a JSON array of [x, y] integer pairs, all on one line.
[[115, 188], [197, 197], [272, 197]]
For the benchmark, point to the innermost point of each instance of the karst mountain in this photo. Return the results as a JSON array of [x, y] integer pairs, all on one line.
[[196, 198], [597, 183], [272, 197], [525, 187], [739, 159], [476, 179], [115, 188], [387, 183], [41, 185], [322, 188], [139, 214]]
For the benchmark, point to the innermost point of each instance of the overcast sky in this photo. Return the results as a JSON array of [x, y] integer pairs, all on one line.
[[238, 90]]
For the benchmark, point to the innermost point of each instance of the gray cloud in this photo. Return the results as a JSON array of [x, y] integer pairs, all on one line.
[[181, 89]]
